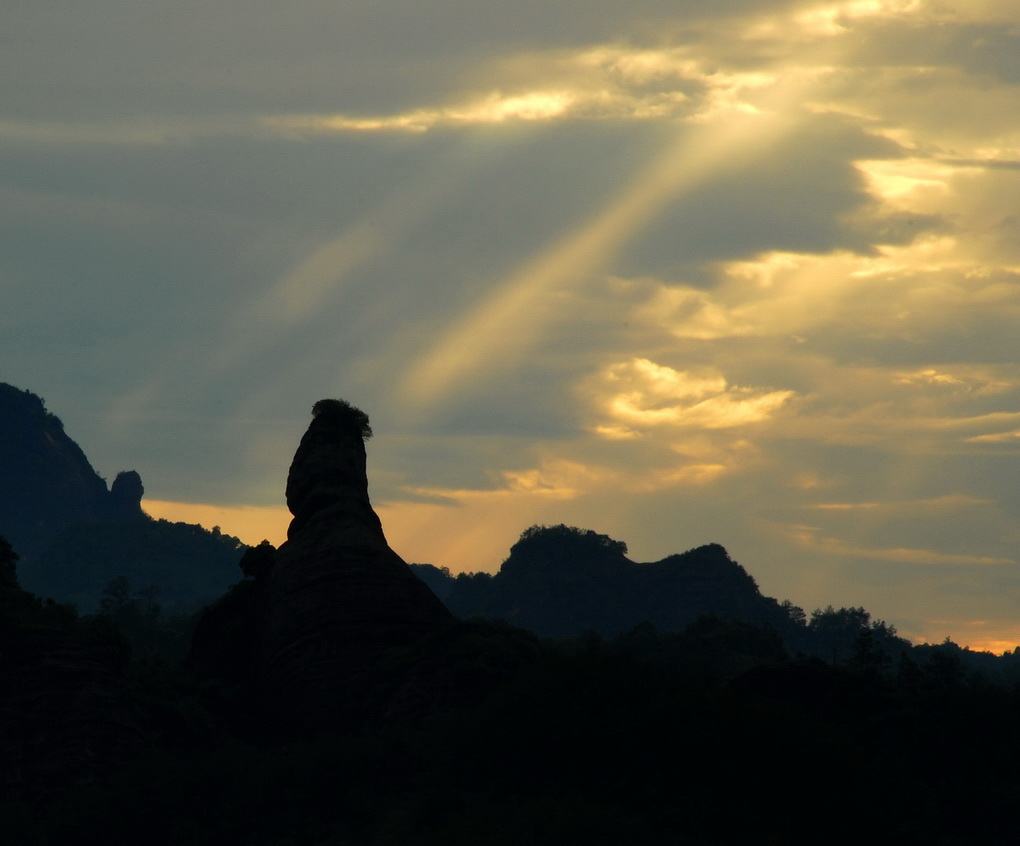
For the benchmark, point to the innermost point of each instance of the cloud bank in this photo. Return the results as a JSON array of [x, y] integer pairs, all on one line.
[[748, 274]]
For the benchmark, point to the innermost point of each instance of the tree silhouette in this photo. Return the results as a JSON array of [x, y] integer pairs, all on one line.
[[343, 413], [257, 560]]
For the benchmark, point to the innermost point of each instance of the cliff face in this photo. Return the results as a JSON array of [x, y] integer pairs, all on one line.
[[126, 494], [46, 482], [336, 597], [74, 536]]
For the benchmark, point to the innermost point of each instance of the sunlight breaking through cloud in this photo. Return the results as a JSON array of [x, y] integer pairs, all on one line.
[[641, 394], [493, 108], [499, 330], [608, 82]]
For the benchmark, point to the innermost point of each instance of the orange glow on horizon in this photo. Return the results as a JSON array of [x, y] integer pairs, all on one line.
[[994, 645], [250, 523], [419, 532], [473, 536]]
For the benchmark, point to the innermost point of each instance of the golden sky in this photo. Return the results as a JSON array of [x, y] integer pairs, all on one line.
[[746, 275]]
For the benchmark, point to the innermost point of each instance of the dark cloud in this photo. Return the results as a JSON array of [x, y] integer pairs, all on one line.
[[795, 197]]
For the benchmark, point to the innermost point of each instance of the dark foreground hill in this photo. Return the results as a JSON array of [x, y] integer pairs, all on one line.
[[66, 717], [75, 536]]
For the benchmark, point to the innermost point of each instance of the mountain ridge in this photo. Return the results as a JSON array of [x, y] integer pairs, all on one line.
[[330, 698], [74, 535], [561, 580]]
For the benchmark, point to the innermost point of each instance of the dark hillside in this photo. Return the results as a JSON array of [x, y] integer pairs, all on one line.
[[75, 536], [66, 717], [184, 565], [46, 482], [560, 581]]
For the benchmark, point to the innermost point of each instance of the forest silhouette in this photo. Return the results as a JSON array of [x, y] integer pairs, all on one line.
[[575, 696]]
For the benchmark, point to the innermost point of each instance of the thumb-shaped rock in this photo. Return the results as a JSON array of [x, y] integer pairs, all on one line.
[[337, 596]]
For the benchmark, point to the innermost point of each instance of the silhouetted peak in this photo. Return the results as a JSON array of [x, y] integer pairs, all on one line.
[[334, 597], [15, 400], [74, 534], [706, 554], [328, 473], [126, 495], [560, 580], [710, 558], [26, 422], [46, 482], [545, 548], [708, 561]]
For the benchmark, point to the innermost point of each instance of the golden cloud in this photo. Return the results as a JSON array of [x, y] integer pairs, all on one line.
[[1012, 438], [554, 478], [558, 478], [808, 537], [602, 82], [951, 502], [905, 290], [966, 378], [640, 394]]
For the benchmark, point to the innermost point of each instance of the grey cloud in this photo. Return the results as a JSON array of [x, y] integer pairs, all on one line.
[[986, 49], [795, 197], [114, 58]]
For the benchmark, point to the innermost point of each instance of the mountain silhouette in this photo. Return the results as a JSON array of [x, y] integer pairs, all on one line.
[[46, 482], [337, 595], [75, 536], [330, 697], [560, 581], [322, 610]]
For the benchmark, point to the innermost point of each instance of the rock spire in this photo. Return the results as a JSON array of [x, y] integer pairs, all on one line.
[[336, 597]]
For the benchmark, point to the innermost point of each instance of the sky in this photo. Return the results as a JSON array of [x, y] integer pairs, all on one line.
[[745, 272]]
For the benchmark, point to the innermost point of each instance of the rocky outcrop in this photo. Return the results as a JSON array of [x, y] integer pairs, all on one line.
[[75, 536], [336, 597], [126, 494], [46, 482]]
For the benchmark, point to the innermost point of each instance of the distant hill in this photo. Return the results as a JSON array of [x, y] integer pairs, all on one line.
[[75, 536], [561, 580], [181, 565]]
